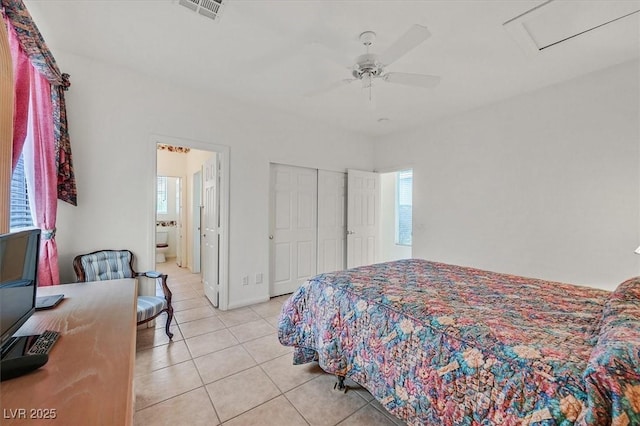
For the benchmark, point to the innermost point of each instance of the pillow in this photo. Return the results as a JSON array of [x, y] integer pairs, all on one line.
[[612, 377]]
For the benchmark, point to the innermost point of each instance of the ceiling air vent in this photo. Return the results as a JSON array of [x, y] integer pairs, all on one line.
[[209, 8]]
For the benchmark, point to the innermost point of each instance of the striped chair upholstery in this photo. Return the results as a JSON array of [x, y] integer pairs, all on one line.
[[107, 265], [117, 264]]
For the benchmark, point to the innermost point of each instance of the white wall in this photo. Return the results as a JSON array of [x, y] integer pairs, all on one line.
[[546, 184], [389, 250], [112, 114]]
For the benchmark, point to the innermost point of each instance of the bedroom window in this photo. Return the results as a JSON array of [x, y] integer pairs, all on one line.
[[161, 206], [404, 207], [20, 213]]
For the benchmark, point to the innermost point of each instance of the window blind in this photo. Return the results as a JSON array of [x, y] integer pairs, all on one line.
[[20, 216]]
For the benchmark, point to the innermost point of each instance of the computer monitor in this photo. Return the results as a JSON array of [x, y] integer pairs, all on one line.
[[18, 273]]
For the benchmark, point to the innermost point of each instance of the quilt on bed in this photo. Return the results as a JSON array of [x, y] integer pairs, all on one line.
[[438, 344]]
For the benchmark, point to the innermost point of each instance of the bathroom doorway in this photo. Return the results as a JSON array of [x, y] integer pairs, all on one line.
[[189, 160], [169, 211]]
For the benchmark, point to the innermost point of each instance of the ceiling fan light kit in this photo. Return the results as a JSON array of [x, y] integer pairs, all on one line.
[[370, 66]]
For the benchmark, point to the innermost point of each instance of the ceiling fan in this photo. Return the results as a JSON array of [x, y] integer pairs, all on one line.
[[371, 66]]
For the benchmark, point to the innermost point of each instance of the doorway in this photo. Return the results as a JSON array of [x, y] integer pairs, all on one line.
[[169, 236], [188, 159], [396, 230]]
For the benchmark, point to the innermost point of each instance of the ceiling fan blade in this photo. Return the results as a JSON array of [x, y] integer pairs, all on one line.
[[416, 80], [329, 88], [412, 38]]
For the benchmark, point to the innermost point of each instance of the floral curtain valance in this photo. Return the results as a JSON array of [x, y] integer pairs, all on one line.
[[32, 43], [171, 148]]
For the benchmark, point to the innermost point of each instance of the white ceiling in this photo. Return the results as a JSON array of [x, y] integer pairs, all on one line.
[[271, 53]]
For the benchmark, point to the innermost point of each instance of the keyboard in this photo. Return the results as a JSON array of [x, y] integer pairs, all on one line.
[[44, 343]]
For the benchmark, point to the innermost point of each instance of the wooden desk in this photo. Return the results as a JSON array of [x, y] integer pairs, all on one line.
[[89, 376]]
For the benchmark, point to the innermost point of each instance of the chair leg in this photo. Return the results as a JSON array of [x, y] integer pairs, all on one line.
[[169, 318]]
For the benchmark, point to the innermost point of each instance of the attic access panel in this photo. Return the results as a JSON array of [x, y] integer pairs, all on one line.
[[556, 21]]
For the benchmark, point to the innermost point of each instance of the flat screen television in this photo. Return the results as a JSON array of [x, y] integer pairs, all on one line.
[[18, 274]]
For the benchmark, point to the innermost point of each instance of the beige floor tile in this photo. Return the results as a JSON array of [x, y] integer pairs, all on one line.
[[238, 316], [286, 375], [184, 295], [194, 314], [192, 408], [241, 392], [201, 326], [223, 363], [355, 387], [166, 383], [320, 404], [281, 299], [184, 305], [266, 348], [396, 421], [150, 337], [367, 416], [244, 393], [158, 357], [252, 330], [274, 321], [161, 321], [175, 287], [267, 309], [277, 412], [210, 342]]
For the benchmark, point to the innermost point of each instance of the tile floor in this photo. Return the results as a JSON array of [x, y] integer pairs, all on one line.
[[229, 368]]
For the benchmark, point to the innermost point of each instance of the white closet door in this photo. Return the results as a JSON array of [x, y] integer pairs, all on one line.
[[332, 226], [293, 216], [363, 217]]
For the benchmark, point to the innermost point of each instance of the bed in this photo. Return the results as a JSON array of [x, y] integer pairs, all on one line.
[[439, 344]]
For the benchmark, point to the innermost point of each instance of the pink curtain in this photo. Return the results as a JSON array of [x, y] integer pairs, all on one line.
[[21, 68], [40, 170], [34, 135], [17, 17]]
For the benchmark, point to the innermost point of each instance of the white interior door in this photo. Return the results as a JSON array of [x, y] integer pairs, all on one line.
[[196, 212], [332, 221], [363, 217], [211, 232], [293, 217]]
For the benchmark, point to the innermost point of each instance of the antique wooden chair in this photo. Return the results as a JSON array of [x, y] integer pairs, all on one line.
[[117, 264]]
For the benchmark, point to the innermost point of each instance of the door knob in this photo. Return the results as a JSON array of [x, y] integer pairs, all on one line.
[[350, 232], [271, 237]]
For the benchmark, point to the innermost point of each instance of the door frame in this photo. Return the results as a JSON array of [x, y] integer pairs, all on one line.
[[223, 152]]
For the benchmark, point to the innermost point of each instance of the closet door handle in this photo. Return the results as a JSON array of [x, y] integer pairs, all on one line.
[[271, 237]]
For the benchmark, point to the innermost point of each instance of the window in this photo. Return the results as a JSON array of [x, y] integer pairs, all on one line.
[[161, 206], [20, 213], [404, 207]]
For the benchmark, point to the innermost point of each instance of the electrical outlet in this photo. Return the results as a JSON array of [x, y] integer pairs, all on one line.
[[259, 278], [245, 280]]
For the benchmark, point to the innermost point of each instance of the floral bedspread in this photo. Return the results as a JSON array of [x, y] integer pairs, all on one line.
[[438, 344]]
